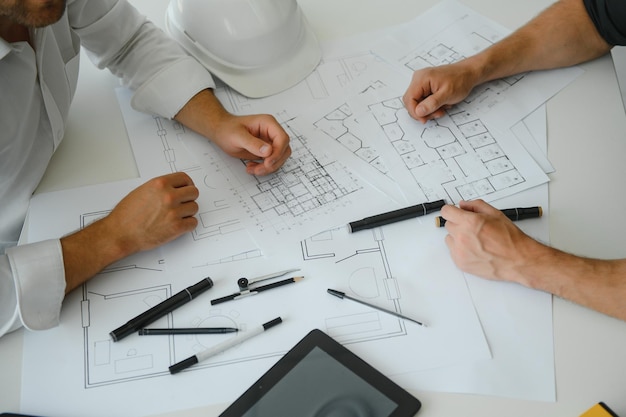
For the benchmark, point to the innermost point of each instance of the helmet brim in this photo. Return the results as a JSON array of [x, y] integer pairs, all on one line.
[[257, 82]]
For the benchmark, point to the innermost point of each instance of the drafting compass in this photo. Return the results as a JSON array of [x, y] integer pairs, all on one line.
[[246, 287]]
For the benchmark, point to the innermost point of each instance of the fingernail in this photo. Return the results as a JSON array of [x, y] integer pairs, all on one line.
[[264, 149]]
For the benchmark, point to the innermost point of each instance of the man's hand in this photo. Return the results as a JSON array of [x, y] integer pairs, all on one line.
[[484, 242], [256, 138], [155, 213], [260, 139], [433, 90]]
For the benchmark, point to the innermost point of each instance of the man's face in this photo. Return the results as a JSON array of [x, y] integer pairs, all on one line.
[[32, 13]]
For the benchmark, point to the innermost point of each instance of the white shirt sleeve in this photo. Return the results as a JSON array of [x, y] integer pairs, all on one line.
[[116, 36], [32, 286]]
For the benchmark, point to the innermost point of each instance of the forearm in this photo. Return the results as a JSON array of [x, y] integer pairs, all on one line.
[[560, 36], [203, 114], [259, 139], [90, 250], [155, 213], [597, 284]]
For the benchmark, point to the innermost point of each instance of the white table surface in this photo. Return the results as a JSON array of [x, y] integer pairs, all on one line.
[[586, 145]]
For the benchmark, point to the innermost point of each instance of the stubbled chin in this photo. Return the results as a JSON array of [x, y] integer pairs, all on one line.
[[48, 13]]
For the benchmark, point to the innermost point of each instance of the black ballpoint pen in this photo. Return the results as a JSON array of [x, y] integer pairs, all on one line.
[[187, 330], [161, 309], [342, 295], [221, 347], [395, 216]]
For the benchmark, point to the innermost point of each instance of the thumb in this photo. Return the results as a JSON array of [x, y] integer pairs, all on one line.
[[255, 146], [428, 106]]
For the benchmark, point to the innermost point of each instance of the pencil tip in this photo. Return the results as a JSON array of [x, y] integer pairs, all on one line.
[[298, 278]]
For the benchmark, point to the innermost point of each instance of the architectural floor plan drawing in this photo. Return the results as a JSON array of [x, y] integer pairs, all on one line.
[[453, 158], [333, 124], [456, 157], [314, 190], [451, 31], [364, 273], [347, 149], [373, 267], [95, 368], [108, 362]]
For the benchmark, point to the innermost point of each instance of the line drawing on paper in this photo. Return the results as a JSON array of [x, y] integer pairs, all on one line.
[[450, 158], [363, 270], [333, 124]]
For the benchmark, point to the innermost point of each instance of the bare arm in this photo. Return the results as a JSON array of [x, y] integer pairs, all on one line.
[[154, 213], [254, 137], [163, 208], [562, 35], [483, 242]]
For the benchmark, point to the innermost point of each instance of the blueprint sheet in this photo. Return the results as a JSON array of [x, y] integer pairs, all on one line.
[[416, 279], [449, 32], [405, 267]]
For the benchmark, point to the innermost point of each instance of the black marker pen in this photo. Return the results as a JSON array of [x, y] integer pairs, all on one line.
[[514, 214], [161, 309], [395, 216]]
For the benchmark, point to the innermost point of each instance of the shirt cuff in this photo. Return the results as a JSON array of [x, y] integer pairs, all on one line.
[[165, 93], [39, 277]]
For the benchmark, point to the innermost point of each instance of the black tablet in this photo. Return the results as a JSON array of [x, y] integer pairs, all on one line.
[[319, 377]]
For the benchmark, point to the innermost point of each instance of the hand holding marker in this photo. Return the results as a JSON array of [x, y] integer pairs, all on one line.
[[418, 210], [514, 214]]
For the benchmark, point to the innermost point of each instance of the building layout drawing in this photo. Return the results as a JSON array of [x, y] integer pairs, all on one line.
[[363, 265], [314, 190], [355, 152], [363, 272], [483, 97], [307, 183], [107, 304], [450, 32], [333, 124], [456, 157], [360, 267]]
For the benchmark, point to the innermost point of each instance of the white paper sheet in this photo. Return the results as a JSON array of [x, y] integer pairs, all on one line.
[[394, 263], [451, 31], [92, 369]]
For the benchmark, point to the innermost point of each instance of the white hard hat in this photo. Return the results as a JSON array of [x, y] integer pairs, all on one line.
[[257, 47]]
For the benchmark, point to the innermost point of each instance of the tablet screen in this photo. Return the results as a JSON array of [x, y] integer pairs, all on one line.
[[321, 378]]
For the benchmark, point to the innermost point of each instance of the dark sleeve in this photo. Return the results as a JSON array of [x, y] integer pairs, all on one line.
[[609, 17]]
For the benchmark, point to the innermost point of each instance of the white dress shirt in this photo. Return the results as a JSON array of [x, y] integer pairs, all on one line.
[[36, 89]]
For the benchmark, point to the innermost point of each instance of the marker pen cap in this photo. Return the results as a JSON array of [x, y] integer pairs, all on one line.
[[177, 367]]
